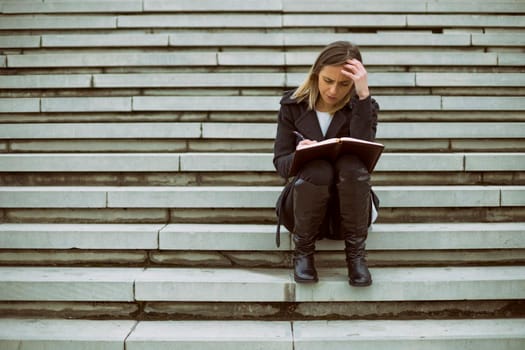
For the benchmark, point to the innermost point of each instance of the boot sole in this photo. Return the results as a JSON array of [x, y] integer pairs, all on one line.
[[301, 280], [355, 284]]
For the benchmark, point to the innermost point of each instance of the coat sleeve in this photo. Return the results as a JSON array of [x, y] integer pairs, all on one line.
[[363, 124], [285, 142]]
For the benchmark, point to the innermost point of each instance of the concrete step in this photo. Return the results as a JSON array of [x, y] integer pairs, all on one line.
[[245, 196], [257, 39], [243, 20], [401, 38], [246, 162], [35, 6], [274, 335], [261, 39], [115, 21], [60, 334], [419, 58], [381, 237], [68, 6], [239, 146], [429, 79], [407, 6], [43, 22], [464, 21], [162, 137], [221, 80], [244, 104], [258, 285], [390, 284], [116, 58], [500, 40], [94, 6], [79, 236], [75, 284], [243, 237], [250, 131], [349, 20], [397, 335]]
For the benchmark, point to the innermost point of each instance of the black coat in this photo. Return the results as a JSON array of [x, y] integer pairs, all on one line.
[[358, 119]]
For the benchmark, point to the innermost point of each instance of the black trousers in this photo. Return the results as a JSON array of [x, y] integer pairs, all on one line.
[[348, 181], [347, 168]]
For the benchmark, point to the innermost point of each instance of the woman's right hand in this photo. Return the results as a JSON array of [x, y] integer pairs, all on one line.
[[305, 143]]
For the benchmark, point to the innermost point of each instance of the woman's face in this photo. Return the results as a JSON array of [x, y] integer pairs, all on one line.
[[333, 87]]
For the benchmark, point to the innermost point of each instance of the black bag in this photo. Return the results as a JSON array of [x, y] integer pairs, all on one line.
[[284, 211]]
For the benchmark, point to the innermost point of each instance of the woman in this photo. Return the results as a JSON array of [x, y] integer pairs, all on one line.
[[327, 198]]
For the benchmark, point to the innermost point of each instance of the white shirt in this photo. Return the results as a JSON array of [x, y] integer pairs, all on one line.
[[325, 119]]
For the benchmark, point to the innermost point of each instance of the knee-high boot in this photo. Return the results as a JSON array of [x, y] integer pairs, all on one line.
[[309, 202], [354, 200]]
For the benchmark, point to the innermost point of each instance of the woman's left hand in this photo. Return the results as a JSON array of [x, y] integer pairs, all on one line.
[[355, 70]]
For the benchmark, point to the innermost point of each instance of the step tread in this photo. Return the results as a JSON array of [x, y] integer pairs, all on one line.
[[114, 21], [113, 58], [241, 162], [406, 6], [432, 236], [421, 58], [464, 334], [426, 334], [258, 285], [73, 284], [79, 236], [57, 333], [93, 6], [390, 284], [196, 39], [266, 131], [468, 20], [243, 196], [220, 80], [68, 6], [239, 237]]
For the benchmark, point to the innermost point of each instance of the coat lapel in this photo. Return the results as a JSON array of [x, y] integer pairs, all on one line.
[[338, 120], [308, 125]]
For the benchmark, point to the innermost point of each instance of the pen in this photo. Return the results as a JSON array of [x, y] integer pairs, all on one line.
[[299, 135]]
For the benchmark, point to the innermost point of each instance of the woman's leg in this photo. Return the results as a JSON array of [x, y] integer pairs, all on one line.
[[353, 186], [310, 197]]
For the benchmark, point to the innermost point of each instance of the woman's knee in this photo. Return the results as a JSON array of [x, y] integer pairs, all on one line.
[[350, 168], [318, 172]]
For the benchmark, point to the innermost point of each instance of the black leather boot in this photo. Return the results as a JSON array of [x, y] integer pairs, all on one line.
[[354, 204], [358, 273], [309, 202], [303, 261]]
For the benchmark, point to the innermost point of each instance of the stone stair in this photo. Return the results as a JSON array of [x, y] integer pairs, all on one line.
[[137, 189]]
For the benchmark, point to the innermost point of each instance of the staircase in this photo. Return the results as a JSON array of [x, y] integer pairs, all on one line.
[[137, 188]]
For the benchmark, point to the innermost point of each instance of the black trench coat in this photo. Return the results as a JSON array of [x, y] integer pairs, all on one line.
[[358, 119]]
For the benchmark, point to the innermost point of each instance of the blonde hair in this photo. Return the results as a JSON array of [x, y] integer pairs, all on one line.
[[335, 54]]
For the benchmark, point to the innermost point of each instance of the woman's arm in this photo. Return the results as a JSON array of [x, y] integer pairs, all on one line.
[[285, 142], [363, 124]]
